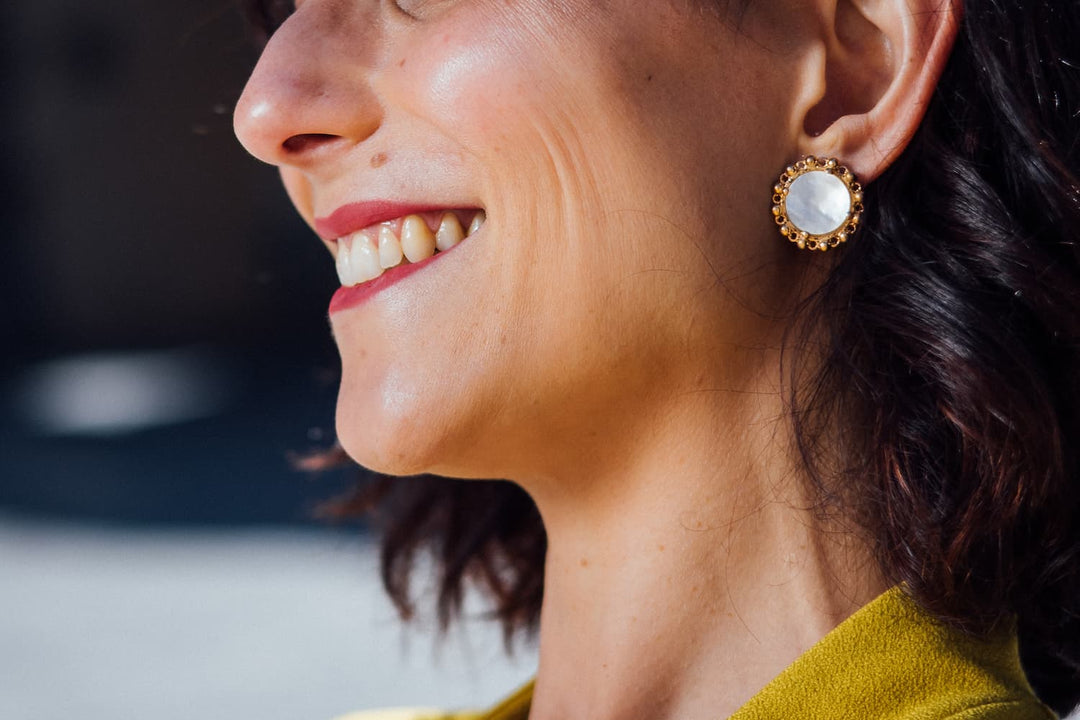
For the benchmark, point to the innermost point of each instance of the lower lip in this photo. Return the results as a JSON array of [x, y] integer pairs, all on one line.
[[346, 298]]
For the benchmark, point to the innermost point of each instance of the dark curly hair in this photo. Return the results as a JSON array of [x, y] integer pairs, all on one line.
[[954, 345], [952, 364]]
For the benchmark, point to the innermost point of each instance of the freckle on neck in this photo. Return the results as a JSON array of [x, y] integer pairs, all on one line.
[[378, 160]]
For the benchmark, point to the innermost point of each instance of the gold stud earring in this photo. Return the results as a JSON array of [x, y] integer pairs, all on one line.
[[817, 203]]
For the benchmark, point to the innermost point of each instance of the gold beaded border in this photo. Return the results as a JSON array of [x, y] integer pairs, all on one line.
[[800, 237]]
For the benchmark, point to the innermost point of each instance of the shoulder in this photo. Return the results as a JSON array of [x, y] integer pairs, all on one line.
[[897, 662]]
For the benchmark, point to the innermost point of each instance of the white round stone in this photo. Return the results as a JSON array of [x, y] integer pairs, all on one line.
[[818, 202]]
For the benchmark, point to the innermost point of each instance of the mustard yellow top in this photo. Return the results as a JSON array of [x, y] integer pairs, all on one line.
[[888, 661]]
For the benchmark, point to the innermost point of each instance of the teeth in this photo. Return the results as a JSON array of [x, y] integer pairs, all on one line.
[[364, 258], [417, 242], [344, 264], [366, 254], [478, 221], [450, 232], [390, 254]]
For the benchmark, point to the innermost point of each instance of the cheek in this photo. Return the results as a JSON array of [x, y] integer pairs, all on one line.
[[299, 191], [478, 72]]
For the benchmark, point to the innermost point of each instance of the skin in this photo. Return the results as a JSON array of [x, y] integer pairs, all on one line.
[[611, 339]]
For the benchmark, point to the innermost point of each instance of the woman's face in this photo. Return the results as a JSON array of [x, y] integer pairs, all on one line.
[[623, 154]]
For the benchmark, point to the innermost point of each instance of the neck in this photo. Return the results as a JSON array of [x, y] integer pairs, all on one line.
[[679, 588]]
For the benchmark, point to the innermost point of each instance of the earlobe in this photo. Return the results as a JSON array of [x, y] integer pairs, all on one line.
[[882, 62]]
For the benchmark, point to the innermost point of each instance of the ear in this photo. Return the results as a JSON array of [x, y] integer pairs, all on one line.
[[868, 82]]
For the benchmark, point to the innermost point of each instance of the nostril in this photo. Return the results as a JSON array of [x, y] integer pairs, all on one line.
[[301, 144]]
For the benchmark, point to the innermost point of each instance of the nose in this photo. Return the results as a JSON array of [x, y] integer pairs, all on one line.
[[309, 96]]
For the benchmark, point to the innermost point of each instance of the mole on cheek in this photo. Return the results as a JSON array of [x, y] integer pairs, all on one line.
[[378, 160]]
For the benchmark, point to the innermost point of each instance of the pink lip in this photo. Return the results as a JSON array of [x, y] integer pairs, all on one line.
[[349, 218]]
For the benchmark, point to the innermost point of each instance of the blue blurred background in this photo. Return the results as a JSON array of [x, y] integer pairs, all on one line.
[[166, 342], [166, 358]]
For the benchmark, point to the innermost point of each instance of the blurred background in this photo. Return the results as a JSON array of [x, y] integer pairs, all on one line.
[[166, 356]]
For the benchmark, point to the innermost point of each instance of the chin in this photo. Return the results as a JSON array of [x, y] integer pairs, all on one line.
[[379, 436], [396, 424], [418, 433], [399, 412]]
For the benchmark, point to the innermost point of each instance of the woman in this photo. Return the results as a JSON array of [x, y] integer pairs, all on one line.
[[759, 481]]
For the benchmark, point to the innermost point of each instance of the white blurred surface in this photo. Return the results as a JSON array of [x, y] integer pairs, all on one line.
[[105, 394], [101, 624]]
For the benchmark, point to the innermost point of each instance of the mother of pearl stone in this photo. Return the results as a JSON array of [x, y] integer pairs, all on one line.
[[818, 202]]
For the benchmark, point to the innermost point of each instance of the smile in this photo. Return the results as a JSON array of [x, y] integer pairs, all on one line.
[[365, 255]]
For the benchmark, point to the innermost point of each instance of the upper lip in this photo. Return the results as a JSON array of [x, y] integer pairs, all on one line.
[[350, 218]]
